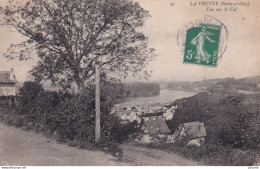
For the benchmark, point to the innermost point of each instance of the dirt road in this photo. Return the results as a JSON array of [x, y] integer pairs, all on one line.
[[150, 157], [19, 147]]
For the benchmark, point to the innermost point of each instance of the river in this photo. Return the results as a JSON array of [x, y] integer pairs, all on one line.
[[165, 96]]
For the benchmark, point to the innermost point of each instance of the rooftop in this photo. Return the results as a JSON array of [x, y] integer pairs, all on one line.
[[7, 77], [195, 129], [156, 126], [192, 129]]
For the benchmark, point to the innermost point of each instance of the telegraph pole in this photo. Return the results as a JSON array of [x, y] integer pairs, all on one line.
[[97, 103]]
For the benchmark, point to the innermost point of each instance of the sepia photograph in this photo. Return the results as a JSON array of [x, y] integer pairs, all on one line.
[[129, 83]]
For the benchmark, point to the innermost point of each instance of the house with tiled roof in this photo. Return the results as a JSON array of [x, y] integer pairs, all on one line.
[[154, 129], [7, 83], [194, 131]]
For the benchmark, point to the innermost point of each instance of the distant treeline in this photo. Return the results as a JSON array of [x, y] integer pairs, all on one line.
[[124, 90], [191, 86], [247, 83], [142, 89]]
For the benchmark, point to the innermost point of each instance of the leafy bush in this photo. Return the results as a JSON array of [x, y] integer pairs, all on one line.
[[121, 131], [74, 118], [209, 154], [28, 94], [70, 117], [30, 91], [7, 102], [241, 131], [239, 157], [7, 98], [224, 156]]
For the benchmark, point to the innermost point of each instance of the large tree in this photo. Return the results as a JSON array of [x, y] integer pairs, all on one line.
[[70, 37]]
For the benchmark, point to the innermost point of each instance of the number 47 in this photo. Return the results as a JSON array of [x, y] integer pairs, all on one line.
[[172, 4]]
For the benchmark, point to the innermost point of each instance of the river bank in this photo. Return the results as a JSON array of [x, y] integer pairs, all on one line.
[[166, 96]]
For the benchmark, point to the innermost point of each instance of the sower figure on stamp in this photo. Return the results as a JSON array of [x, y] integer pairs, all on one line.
[[199, 40]]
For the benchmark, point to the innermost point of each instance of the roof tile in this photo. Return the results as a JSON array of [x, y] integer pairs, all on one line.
[[5, 77]]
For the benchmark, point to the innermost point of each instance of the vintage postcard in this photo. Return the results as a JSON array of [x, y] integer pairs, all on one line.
[[129, 83]]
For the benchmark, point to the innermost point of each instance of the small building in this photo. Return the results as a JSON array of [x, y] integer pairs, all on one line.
[[168, 114], [195, 131], [156, 126], [155, 130], [8, 83], [133, 117]]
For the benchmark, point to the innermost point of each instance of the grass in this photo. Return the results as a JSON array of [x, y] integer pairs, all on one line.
[[209, 154]]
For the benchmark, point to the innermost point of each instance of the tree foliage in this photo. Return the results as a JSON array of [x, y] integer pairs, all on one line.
[[71, 117], [70, 37], [30, 91]]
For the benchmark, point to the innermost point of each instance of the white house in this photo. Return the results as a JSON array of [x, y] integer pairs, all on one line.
[[133, 116], [7, 83], [195, 131], [168, 114]]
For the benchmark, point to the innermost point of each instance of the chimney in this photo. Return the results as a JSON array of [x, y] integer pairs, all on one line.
[[201, 126], [12, 74]]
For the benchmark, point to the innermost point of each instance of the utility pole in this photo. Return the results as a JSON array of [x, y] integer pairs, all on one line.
[[97, 103]]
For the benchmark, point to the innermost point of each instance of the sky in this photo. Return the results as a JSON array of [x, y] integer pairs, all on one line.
[[241, 58]]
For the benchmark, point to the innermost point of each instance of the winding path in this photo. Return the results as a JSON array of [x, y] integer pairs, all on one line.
[[27, 148]]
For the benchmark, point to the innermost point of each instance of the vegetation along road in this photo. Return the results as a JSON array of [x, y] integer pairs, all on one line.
[[19, 147]]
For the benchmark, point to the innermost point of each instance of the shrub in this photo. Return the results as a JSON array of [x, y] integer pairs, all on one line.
[[238, 157], [241, 131], [209, 154], [72, 117], [224, 156], [7, 102], [30, 91], [28, 94], [121, 131], [181, 142]]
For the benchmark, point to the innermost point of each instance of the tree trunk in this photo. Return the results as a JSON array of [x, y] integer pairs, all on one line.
[[80, 85]]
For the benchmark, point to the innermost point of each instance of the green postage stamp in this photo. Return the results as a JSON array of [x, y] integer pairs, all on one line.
[[202, 44]]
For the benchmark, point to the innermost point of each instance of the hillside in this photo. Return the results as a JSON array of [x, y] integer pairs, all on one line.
[[142, 89], [218, 107]]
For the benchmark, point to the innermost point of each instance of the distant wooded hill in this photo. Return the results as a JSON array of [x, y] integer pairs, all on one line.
[[142, 89], [247, 83]]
